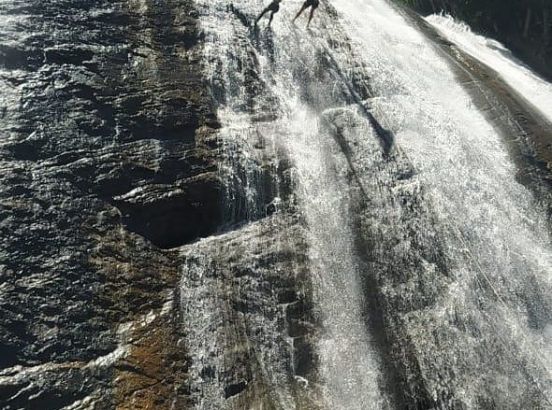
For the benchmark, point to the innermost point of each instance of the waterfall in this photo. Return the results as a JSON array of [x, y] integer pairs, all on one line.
[[533, 88], [494, 234], [422, 266]]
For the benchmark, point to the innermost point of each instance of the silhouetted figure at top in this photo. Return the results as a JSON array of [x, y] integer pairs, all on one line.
[[313, 4], [273, 7]]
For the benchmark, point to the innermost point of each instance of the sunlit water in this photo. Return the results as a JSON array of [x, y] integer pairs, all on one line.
[[499, 277], [492, 53], [496, 234]]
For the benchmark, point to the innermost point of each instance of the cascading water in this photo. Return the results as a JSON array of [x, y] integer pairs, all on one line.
[[427, 263], [496, 235], [533, 88]]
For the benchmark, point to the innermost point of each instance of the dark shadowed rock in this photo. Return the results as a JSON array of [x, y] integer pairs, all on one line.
[[103, 108]]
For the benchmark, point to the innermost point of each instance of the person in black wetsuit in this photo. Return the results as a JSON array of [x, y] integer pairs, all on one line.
[[273, 7], [313, 4]]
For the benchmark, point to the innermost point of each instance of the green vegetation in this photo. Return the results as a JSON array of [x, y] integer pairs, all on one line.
[[523, 25]]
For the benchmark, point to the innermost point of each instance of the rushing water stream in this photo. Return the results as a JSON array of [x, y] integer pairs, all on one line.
[[430, 264], [533, 88]]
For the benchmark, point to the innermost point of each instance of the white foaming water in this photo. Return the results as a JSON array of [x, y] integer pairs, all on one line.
[[494, 229], [529, 85], [349, 368], [490, 225]]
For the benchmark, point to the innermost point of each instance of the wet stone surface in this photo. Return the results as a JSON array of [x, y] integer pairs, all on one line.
[[110, 159], [102, 108]]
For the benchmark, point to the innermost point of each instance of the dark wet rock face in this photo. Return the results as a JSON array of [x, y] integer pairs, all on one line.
[[247, 324], [110, 158], [102, 108], [171, 216]]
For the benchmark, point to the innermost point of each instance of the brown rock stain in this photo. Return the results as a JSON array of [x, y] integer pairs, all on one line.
[[153, 374]]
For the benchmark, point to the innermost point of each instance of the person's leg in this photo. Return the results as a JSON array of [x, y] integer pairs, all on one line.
[[310, 15], [261, 15], [303, 7]]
